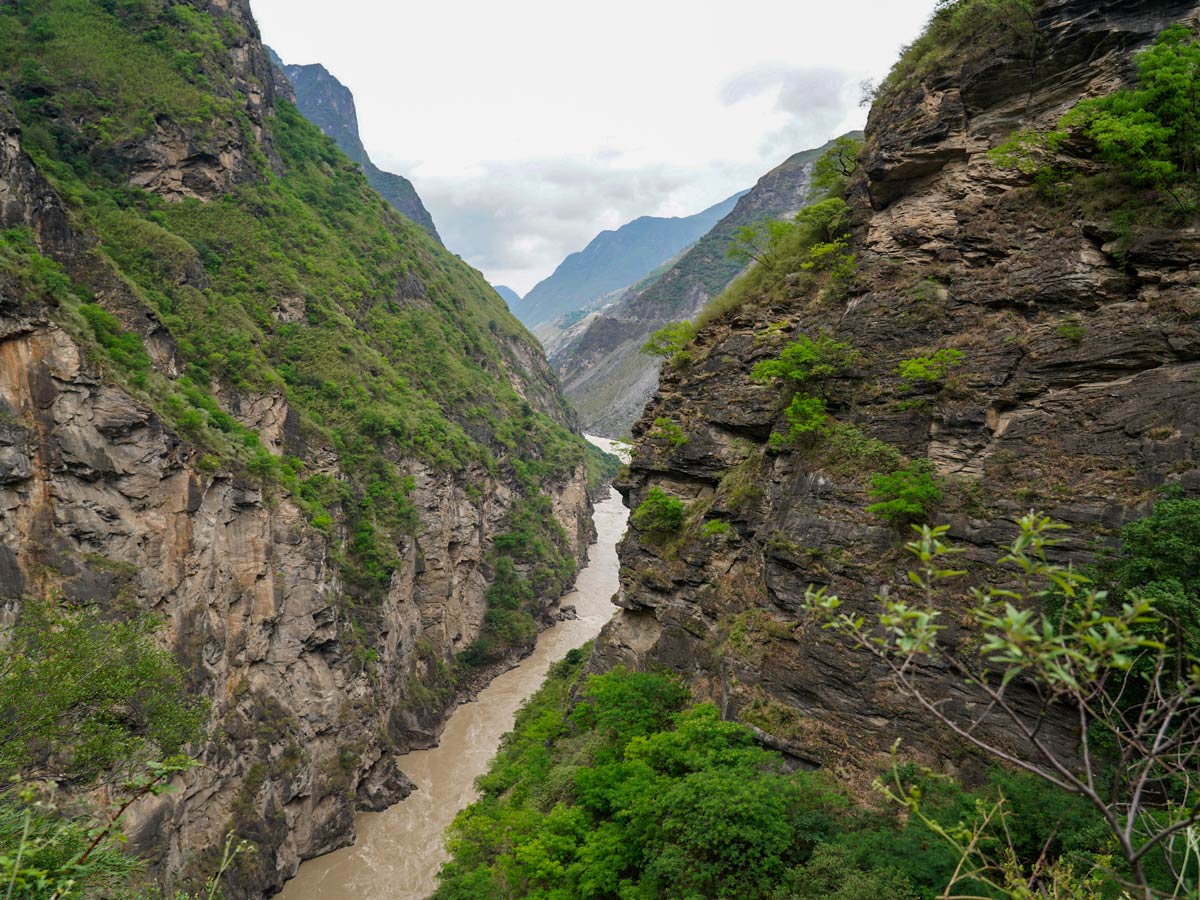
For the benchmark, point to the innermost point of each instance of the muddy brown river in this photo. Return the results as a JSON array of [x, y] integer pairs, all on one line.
[[399, 851]]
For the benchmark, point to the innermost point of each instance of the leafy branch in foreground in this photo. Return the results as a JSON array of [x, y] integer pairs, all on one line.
[[987, 858], [1109, 670]]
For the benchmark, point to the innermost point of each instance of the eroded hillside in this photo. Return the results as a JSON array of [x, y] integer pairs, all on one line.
[[1053, 328], [238, 392]]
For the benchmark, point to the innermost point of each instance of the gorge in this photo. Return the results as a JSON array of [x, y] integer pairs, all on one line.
[[259, 422]]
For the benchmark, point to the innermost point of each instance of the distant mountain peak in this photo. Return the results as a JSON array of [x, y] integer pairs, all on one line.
[[329, 105], [511, 297], [614, 260]]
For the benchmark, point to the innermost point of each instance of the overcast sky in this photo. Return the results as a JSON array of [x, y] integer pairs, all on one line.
[[528, 126]]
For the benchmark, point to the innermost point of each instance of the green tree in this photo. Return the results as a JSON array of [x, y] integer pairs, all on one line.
[[80, 696], [1152, 130], [905, 495], [83, 699], [832, 172], [760, 242], [1103, 667], [1160, 559], [670, 339]]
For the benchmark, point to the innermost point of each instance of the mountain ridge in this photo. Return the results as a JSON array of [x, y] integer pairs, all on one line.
[[329, 105], [615, 259], [243, 397], [599, 360]]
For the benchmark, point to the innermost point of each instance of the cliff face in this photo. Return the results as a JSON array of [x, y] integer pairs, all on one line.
[[1077, 395], [603, 371], [317, 575], [329, 105]]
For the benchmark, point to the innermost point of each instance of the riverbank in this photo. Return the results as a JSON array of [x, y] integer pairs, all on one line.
[[399, 851]]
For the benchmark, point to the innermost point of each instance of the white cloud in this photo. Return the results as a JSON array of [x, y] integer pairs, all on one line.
[[528, 126]]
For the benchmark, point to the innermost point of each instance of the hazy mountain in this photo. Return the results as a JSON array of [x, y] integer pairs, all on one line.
[[329, 105], [511, 297], [615, 260], [597, 356]]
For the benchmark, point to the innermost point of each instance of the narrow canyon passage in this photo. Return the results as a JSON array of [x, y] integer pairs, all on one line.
[[399, 851]]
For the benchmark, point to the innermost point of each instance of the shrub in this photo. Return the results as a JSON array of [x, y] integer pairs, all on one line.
[[970, 25], [806, 360], [1151, 131], [717, 528], [929, 369], [659, 512], [805, 414], [666, 430], [670, 339], [81, 696], [906, 495], [1071, 331]]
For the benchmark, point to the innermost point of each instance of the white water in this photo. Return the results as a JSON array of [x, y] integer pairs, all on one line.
[[399, 851]]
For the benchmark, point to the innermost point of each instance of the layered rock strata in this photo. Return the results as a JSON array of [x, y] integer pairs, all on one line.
[[1076, 394]]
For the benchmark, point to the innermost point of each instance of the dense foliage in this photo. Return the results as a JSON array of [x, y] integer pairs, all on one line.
[[1160, 559], [1152, 131], [631, 793], [299, 281], [532, 559], [1050, 630], [83, 700], [80, 696], [1149, 133], [659, 513]]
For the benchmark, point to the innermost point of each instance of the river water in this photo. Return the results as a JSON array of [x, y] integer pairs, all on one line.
[[399, 851]]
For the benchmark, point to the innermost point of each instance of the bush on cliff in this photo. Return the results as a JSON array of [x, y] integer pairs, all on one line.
[[659, 512]]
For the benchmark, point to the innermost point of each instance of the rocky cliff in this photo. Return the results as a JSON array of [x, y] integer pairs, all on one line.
[[238, 393], [1076, 393], [329, 105], [599, 359]]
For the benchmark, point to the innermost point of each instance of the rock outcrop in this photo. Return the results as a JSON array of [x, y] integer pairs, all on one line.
[[1077, 395], [108, 496]]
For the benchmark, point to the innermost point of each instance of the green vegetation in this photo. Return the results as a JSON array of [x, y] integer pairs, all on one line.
[[630, 793], [805, 363], [1113, 666], [832, 172], [1149, 133], [1160, 560], [962, 29], [83, 701], [659, 513], [805, 414], [814, 244], [905, 495], [666, 430], [1072, 331], [532, 560], [80, 696], [299, 280], [716, 528], [671, 340], [929, 369]]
